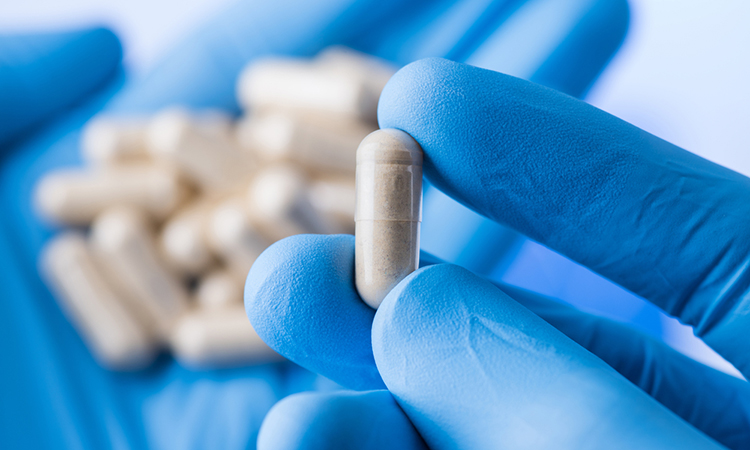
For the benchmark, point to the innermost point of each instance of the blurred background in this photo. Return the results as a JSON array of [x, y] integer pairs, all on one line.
[[681, 74]]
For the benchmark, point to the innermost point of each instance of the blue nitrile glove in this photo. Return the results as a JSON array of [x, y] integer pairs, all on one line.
[[54, 393], [474, 365]]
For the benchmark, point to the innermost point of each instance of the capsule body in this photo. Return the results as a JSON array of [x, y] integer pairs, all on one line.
[[117, 335], [388, 212], [122, 242], [205, 339], [76, 196], [322, 146]]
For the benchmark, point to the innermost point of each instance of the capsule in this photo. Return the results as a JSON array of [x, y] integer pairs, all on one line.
[[113, 140], [118, 336], [279, 205], [184, 239], [302, 87], [125, 248], [76, 196], [375, 71], [205, 339], [219, 289], [388, 212], [203, 148], [320, 145], [233, 237], [334, 198]]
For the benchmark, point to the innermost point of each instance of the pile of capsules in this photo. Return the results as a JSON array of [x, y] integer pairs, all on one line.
[[170, 211]]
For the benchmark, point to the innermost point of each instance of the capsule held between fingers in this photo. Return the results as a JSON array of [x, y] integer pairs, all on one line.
[[388, 212]]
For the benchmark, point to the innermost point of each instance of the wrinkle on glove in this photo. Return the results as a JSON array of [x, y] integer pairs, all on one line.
[[338, 420], [652, 217], [295, 323], [47, 73], [474, 369], [714, 402]]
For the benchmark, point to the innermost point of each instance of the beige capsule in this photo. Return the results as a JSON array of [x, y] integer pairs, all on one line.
[[117, 336], [124, 245], [388, 212], [302, 87], [76, 196], [375, 71], [232, 236], [201, 147], [280, 207], [114, 140], [322, 145], [219, 289], [334, 198], [214, 338], [184, 239]]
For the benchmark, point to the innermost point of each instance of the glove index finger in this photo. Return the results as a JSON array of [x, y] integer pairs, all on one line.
[[652, 217]]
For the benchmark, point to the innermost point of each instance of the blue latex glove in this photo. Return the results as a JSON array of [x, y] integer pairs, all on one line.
[[54, 393], [474, 365]]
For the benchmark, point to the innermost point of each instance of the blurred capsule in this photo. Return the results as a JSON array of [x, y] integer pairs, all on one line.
[[218, 338], [123, 244], [319, 145], [110, 140], [305, 88], [233, 237], [279, 204], [203, 148], [375, 71], [184, 239], [219, 289], [116, 335], [76, 196], [335, 199]]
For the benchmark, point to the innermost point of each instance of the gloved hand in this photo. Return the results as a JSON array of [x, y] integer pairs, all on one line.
[[475, 365], [54, 393]]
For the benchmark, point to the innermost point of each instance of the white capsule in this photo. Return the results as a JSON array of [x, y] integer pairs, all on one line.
[[110, 140], [335, 199], [375, 71], [215, 338], [388, 212], [219, 289], [123, 244], [232, 236], [184, 239], [116, 335], [319, 145], [300, 86], [76, 196], [203, 149], [279, 204]]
